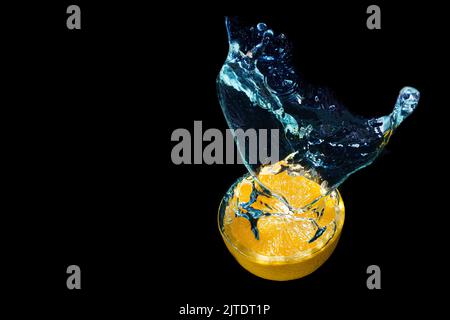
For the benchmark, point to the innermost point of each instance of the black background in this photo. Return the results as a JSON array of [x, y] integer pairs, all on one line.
[[93, 182]]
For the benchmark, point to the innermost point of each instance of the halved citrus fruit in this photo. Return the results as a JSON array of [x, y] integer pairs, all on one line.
[[280, 237]]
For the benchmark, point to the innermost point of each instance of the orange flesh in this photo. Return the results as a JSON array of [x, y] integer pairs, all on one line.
[[284, 235]]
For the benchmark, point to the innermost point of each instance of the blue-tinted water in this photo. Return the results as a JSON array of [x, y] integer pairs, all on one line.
[[258, 88]]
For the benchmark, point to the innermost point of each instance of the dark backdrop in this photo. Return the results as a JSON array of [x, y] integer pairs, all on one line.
[[94, 184]]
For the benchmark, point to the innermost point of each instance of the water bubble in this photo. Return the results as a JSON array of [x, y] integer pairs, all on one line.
[[261, 26], [268, 33]]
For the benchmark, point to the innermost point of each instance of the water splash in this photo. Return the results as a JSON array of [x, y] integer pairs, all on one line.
[[258, 88]]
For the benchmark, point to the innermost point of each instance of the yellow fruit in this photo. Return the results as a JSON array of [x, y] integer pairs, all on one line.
[[287, 243]]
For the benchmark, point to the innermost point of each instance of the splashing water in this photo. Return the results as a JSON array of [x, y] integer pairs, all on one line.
[[319, 138], [258, 88]]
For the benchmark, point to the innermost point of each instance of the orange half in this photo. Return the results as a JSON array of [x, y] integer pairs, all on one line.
[[287, 244]]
